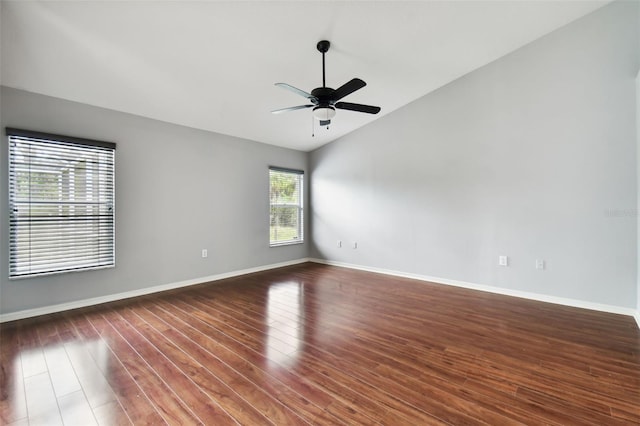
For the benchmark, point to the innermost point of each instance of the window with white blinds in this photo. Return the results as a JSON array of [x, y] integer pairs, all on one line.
[[286, 218], [61, 199]]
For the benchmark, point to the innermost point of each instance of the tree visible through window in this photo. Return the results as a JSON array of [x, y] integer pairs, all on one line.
[[61, 198], [286, 222]]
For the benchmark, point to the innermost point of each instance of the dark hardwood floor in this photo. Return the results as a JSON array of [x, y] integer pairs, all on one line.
[[321, 345]]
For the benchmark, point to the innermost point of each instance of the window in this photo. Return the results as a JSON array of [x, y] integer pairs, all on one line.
[[61, 199], [286, 215]]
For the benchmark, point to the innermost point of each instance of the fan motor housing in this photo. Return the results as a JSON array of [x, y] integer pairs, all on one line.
[[323, 94]]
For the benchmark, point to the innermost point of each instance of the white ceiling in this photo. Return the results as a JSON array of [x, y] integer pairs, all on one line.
[[212, 65]]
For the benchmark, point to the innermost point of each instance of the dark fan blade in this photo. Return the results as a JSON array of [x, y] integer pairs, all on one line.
[[298, 91], [347, 88], [278, 111], [358, 107]]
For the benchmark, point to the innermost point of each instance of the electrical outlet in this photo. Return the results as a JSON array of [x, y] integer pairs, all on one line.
[[205, 253], [339, 244], [503, 261], [354, 245], [540, 264]]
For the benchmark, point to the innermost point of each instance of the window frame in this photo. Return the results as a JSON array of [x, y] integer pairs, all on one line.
[[299, 206], [83, 228]]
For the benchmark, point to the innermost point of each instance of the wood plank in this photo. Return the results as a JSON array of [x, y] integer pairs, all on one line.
[[128, 392], [75, 409], [238, 355], [41, 400], [190, 377], [164, 399], [13, 403]]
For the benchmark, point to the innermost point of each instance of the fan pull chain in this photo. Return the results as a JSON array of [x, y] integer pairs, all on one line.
[[313, 128]]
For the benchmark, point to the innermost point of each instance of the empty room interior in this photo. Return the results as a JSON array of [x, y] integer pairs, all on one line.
[[323, 213]]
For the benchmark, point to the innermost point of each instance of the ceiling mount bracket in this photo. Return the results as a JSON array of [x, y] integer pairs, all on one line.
[[323, 46]]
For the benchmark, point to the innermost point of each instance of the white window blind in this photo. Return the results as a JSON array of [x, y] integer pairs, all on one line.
[[61, 199], [286, 217]]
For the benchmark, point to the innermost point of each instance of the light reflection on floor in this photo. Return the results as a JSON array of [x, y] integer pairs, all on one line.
[[60, 384], [285, 322]]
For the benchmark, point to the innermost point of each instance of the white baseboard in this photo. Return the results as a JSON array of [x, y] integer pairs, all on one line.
[[28, 313], [490, 289]]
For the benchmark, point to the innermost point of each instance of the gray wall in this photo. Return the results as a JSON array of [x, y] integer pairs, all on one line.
[[179, 190], [532, 156]]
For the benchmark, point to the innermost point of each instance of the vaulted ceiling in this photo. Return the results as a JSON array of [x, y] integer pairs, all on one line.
[[212, 65]]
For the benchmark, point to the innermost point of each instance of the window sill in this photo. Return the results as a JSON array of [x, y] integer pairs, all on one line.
[[286, 243]]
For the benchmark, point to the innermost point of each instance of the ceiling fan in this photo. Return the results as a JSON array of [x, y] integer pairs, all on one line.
[[324, 100]]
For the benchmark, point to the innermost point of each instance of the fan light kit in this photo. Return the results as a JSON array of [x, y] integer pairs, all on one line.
[[324, 100], [324, 113]]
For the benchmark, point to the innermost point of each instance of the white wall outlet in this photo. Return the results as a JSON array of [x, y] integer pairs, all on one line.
[[540, 264], [503, 261], [339, 244], [354, 245], [205, 253]]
